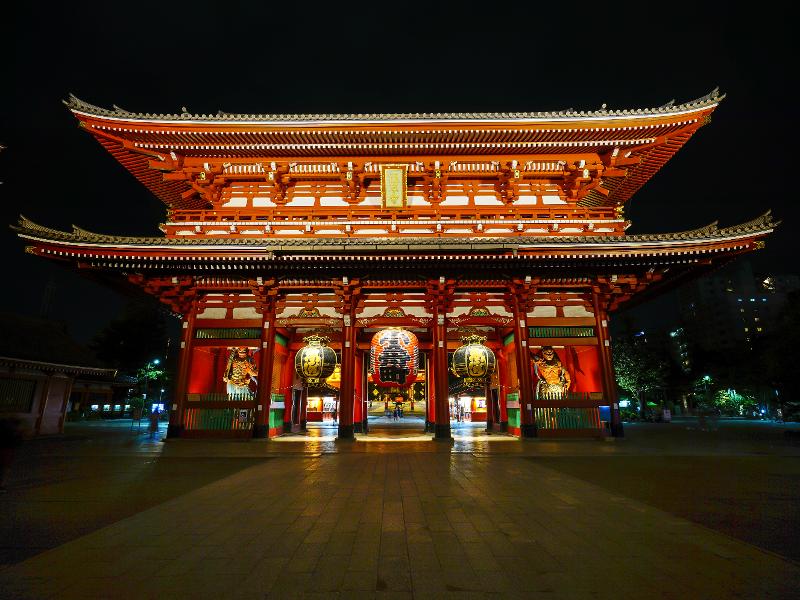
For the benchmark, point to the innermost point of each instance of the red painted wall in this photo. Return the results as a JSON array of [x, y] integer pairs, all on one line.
[[583, 365], [207, 368]]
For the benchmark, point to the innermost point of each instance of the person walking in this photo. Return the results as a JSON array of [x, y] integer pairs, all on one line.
[[153, 422]]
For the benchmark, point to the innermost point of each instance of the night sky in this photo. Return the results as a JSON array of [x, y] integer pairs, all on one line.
[[361, 58]]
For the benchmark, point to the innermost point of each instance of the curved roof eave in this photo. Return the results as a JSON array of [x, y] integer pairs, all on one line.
[[80, 107], [760, 226]]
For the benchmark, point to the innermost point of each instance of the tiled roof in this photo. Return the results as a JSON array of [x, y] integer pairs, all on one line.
[[710, 99], [711, 232]]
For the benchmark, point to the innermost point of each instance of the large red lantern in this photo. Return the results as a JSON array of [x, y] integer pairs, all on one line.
[[393, 357]]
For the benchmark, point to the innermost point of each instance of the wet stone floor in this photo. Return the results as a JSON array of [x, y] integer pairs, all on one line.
[[379, 519]]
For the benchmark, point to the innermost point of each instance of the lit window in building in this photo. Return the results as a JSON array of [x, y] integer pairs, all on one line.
[[746, 329], [758, 328], [106, 407]]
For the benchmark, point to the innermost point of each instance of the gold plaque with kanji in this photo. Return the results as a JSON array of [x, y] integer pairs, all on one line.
[[394, 185]]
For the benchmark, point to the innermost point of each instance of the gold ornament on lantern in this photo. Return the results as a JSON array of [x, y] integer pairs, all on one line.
[[316, 361], [474, 362]]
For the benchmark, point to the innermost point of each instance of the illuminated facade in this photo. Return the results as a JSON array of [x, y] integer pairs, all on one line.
[[509, 226]]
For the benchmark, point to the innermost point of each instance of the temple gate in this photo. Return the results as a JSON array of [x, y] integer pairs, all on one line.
[[505, 226]]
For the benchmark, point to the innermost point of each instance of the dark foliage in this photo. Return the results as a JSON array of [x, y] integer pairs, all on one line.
[[134, 339]]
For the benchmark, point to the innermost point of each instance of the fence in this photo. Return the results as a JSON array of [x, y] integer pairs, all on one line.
[[219, 412], [575, 414]]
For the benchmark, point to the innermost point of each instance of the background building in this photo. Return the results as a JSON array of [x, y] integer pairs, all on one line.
[[44, 375], [733, 308]]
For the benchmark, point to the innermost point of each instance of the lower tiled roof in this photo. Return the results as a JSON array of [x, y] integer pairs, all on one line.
[[758, 226]]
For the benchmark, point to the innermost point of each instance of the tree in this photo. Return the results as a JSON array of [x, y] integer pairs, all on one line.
[[638, 369], [732, 403], [150, 372]]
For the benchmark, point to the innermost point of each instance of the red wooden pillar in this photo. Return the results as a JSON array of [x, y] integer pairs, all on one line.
[[302, 414], [287, 387], [502, 365], [265, 364], [430, 393], [348, 373], [490, 418], [527, 425], [359, 411], [175, 428], [441, 428], [606, 365]]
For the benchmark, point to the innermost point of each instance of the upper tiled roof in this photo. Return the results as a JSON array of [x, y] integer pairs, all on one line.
[[710, 99]]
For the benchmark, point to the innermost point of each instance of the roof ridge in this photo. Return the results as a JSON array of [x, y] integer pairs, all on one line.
[[76, 104]]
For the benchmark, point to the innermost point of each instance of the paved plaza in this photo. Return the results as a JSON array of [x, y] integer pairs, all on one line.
[[394, 515]]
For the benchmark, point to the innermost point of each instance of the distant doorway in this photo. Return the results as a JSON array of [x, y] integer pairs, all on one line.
[[395, 407]]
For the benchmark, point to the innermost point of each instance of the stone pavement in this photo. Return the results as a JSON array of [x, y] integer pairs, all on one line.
[[363, 524]]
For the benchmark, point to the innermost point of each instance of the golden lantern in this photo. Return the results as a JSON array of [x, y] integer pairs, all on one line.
[[474, 362], [315, 361]]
